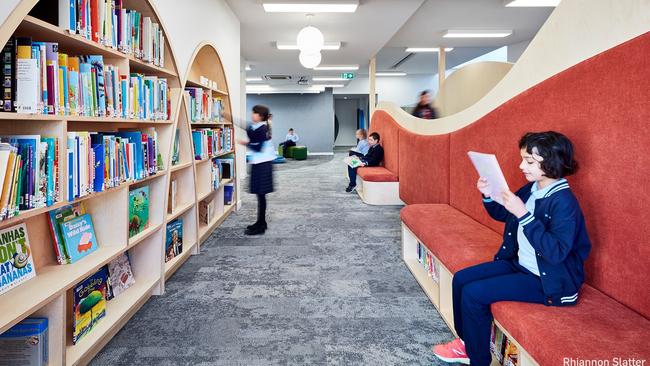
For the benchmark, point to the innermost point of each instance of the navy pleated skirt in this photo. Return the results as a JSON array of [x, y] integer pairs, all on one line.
[[261, 178]]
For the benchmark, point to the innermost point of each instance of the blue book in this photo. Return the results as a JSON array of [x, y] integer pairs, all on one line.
[[51, 150], [79, 237], [197, 140], [97, 62], [98, 183]]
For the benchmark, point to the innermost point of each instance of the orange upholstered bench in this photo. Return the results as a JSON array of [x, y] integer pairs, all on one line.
[[590, 330], [377, 174]]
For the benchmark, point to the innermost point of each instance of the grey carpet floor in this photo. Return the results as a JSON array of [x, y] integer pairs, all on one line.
[[324, 286]]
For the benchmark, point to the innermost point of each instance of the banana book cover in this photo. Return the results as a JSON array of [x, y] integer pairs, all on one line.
[[89, 304], [16, 261]]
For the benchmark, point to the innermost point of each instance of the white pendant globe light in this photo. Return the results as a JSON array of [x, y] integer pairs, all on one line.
[[309, 60], [310, 39]]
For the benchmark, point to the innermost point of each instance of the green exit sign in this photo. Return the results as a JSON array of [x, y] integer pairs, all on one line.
[[347, 75]]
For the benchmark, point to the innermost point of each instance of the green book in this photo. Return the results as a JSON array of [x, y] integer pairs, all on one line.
[[138, 210]]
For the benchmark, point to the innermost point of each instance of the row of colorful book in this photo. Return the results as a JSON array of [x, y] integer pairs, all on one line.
[[91, 294], [203, 107], [211, 142], [221, 169], [98, 161], [29, 166], [109, 23], [428, 263], [73, 233], [38, 79], [503, 348]]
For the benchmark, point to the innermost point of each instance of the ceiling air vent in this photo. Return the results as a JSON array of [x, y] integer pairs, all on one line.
[[277, 77]]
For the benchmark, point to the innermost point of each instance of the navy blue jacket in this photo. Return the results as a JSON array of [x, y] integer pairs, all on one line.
[[558, 234], [374, 156]]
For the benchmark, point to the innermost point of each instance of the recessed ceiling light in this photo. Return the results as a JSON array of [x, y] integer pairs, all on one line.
[[340, 67], [532, 3], [306, 6], [254, 78], [329, 46], [426, 49], [477, 33], [327, 78], [388, 73]]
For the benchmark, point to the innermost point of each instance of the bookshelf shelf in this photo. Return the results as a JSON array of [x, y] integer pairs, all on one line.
[[176, 262], [138, 238], [117, 310], [50, 281], [206, 230], [50, 292], [180, 209], [181, 166], [199, 85]]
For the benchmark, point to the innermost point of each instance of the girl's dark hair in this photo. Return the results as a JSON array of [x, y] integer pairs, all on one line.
[[263, 111], [556, 150]]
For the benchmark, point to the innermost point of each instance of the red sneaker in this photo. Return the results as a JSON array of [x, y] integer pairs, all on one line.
[[453, 351]]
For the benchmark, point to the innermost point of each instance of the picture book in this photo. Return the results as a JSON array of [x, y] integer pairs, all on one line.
[[16, 261], [228, 193], [174, 241], [138, 210], [352, 161], [120, 274], [79, 237], [488, 167], [56, 218], [89, 303]]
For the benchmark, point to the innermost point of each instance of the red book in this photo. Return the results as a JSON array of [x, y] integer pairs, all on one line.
[[94, 19]]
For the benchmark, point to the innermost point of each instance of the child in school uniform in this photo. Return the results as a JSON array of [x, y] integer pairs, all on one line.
[[362, 146], [373, 157], [545, 245]]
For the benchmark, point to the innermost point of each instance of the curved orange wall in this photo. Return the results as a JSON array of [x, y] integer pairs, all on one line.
[[603, 105]]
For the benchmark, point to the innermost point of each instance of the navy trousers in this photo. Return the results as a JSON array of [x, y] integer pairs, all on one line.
[[475, 288], [352, 174]]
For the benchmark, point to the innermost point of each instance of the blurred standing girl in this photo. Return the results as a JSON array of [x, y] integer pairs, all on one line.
[[261, 180]]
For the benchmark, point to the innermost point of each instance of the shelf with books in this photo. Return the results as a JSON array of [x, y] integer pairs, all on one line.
[[118, 310], [206, 229], [182, 166], [176, 262], [181, 240], [106, 201], [180, 209]]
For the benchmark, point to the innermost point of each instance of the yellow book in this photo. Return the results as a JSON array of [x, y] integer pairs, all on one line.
[[64, 105]]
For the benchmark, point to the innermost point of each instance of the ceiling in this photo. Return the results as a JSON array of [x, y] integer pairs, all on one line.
[[383, 28]]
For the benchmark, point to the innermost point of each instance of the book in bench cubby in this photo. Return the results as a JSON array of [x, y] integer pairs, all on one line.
[[503, 348], [54, 82], [428, 262]]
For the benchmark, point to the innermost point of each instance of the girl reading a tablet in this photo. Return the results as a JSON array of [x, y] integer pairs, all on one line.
[[545, 244]]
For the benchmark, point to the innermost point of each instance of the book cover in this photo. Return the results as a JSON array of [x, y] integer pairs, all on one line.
[[120, 274], [174, 239], [8, 72], [138, 210], [27, 76], [79, 237], [228, 193], [16, 261], [56, 217], [89, 304]]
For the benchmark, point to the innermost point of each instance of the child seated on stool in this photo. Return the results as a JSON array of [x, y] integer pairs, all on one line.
[[362, 145], [289, 141], [541, 259], [373, 158]]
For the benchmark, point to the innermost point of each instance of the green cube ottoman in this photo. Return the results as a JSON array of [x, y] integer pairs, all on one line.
[[298, 152]]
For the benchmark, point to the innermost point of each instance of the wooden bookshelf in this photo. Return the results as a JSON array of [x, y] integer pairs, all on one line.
[[49, 293]]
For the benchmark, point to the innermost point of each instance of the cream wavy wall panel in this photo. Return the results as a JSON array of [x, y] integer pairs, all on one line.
[[469, 84], [575, 31]]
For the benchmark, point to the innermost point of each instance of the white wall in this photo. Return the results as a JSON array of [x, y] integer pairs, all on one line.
[[401, 90], [189, 23], [515, 50]]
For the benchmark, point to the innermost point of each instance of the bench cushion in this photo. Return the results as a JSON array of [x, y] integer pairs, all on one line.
[[377, 174], [598, 327], [453, 237]]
